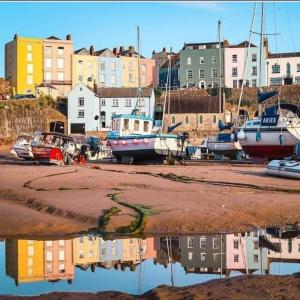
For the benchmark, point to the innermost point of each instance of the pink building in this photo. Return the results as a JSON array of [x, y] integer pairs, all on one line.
[[148, 248], [235, 252], [147, 72], [58, 260]]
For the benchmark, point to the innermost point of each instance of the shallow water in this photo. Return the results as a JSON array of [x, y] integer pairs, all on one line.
[[89, 263]]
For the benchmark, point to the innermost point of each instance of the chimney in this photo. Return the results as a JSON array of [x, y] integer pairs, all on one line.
[[15, 36], [92, 50], [226, 43], [131, 49], [121, 50], [153, 52], [164, 49], [68, 37], [115, 51], [95, 86]]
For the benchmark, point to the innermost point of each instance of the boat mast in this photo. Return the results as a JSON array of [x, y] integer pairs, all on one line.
[[220, 67], [261, 50], [139, 69], [170, 77]]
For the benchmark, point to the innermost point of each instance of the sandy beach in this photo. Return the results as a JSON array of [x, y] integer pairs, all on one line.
[[207, 198]]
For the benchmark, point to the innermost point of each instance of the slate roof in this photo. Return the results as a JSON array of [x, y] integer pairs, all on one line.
[[281, 55], [81, 51], [52, 37], [180, 104], [243, 44], [196, 45], [122, 92]]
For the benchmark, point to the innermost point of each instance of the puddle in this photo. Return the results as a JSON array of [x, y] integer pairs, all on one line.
[[89, 263]]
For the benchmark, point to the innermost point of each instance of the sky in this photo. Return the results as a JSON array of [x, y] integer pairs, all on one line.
[[162, 24]]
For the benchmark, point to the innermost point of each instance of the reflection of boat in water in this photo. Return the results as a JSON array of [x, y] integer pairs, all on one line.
[[22, 147], [53, 148]]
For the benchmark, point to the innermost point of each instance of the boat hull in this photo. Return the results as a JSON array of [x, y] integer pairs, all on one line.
[[48, 155], [23, 152], [140, 149], [288, 169], [230, 149]]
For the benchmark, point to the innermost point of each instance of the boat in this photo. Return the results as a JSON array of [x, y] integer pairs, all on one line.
[[274, 133], [134, 139], [22, 147], [284, 168], [53, 148]]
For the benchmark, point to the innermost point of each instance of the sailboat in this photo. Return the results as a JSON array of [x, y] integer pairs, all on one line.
[[133, 138], [224, 144], [276, 130]]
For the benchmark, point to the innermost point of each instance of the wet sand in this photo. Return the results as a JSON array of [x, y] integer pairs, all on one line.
[[206, 198]]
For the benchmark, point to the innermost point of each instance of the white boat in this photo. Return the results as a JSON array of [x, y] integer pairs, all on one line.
[[22, 147], [284, 168], [132, 140]]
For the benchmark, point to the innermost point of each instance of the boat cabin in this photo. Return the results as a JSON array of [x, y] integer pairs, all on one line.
[[123, 125], [53, 139]]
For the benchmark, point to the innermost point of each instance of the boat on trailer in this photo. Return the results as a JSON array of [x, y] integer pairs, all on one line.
[[22, 147], [53, 148], [132, 140]]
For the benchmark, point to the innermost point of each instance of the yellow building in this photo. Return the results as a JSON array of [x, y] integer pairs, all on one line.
[[84, 67], [86, 250], [24, 64], [24, 260]]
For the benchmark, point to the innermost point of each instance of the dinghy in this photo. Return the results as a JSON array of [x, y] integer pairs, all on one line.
[[284, 168]]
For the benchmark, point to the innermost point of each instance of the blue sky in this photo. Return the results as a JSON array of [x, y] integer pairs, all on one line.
[[110, 24]]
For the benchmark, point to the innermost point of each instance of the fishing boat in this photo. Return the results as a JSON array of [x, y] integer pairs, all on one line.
[[133, 138], [274, 133], [53, 148], [289, 168], [22, 147]]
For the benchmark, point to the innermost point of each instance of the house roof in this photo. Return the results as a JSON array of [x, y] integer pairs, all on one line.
[[52, 37], [185, 103], [282, 55], [243, 44], [81, 51], [122, 92], [47, 85], [99, 52], [196, 45], [130, 53]]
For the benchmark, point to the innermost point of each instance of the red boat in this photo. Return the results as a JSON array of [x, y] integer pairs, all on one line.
[[53, 148]]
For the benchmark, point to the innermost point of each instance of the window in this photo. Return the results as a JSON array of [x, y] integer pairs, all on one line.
[[48, 243], [48, 62], [61, 243], [288, 69], [61, 255], [48, 76], [255, 258], [115, 103], [214, 119], [90, 65], [146, 126], [113, 66], [298, 67], [201, 60], [60, 50], [254, 71], [202, 47], [103, 251], [189, 74], [297, 79], [202, 241], [190, 242], [214, 84], [81, 254], [214, 72], [234, 83], [188, 61], [254, 82], [201, 74], [102, 78], [29, 47], [48, 50], [131, 77], [203, 256], [143, 68], [143, 78], [215, 243], [216, 255], [200, 119], [81, 114], [128, 102], [234, 72], [276, 81], [190, 254], [80, 65], [186, 119], [254, 57], [60, 76], [49, 256], [29, 56], [29, 79], [234, 58], [136, 125], [49, 268], [80, 77], [103, 102], [29, 271], [235, 244], [142, 102], [113, 79], [91, 253], [275, 68], [131, 66], [81, 101], [255, 245], [61, 268], [60, 63], [113, 251], [236, 258], [214, 59], [173, 121], [30, 68], [102, 66]]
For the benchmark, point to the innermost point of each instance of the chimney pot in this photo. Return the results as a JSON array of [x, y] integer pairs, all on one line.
[[15, 36], [69, 37], [92, 50]]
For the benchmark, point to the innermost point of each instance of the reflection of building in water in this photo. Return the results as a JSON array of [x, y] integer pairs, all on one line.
[[86, 251], [243, 253], [290, 249], [203, 254], [58, 260], [111, 252], [148, 250], [167, 250], [24, 260]]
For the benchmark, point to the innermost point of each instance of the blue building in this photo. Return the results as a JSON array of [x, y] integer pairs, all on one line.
[[163, 72], [111, 252], [109, 69]]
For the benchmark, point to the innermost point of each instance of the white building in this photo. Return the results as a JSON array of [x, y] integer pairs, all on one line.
[[90, 111], [283, 68]]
